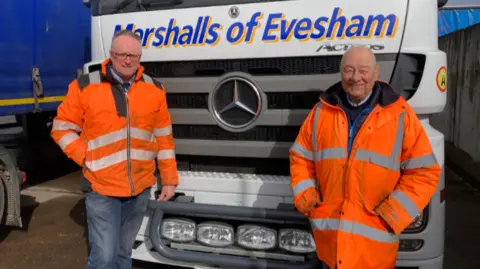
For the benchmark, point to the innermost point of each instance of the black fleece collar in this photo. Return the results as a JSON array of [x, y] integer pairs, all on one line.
[[383, 94]]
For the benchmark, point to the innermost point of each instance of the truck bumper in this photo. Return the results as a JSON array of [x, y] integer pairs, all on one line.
[[436, 263], [169, 255]]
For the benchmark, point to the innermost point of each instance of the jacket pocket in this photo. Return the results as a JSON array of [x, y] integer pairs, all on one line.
[[376, 219]]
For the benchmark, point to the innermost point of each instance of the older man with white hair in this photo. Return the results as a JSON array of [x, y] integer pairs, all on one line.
[[362, 168]]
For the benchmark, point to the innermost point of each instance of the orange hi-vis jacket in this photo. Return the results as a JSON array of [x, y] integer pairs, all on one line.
[[361, 192], [122, 135]]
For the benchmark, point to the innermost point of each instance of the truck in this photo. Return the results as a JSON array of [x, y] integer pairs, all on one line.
[[233, 207], [240, 77], [44, 47]]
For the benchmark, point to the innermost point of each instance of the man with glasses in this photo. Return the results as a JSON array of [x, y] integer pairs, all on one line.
[[125, 135]]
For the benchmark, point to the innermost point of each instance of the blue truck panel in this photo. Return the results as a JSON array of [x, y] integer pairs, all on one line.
[[16, 49], [52, 35]]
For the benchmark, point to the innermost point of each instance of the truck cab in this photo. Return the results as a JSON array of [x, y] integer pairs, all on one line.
[[271, 60]]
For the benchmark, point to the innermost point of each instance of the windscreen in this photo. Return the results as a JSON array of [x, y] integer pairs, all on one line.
[[105, 7]]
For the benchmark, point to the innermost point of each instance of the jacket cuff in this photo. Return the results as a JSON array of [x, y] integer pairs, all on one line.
[[306, 201], [80, 154], [169, 178], [385, 211]]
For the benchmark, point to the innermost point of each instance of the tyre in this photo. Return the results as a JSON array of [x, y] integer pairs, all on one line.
[[3, 198]]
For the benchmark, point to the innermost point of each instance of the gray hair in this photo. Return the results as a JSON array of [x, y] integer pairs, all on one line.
[[125, 32]]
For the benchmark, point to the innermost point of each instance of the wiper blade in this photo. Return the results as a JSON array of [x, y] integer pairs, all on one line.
[[165, 3], [144, 4], [122, 5]]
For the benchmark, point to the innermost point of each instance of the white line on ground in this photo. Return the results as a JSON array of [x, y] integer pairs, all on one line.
[[44, 194]]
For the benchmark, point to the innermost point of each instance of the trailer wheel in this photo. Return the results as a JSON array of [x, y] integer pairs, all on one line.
[[3, 197]]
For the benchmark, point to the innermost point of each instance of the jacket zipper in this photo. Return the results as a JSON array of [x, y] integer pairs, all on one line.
[[348, 151], [351, 143], [351, 128], [345, 172], [129, 161]]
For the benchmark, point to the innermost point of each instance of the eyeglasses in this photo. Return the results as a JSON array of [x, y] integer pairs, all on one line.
[[123, 56]]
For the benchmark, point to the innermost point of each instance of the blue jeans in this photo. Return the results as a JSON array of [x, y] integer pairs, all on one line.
[[113, 224]]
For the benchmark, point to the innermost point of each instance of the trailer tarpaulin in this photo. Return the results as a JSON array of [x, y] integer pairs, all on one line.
[[452, 19]]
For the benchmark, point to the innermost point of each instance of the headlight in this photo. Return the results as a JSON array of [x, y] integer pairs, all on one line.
[[296, 241], [256, 237], [417, 224], [179, 230], [410, 244], [215, 234]]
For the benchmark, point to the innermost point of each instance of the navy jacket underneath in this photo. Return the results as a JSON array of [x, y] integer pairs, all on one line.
[[357, 115]]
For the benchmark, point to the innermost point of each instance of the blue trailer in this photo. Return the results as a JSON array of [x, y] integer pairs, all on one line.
[[455, 18], [44, 46], [45, 42]]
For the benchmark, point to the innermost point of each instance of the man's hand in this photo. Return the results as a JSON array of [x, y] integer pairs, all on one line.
[[167, 192], [308, 206]]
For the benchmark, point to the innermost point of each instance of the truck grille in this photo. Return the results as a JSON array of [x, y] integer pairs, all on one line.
[[257, 67], [276, 100], [277, 163], [260, 66], [259, 133], [264, 166]]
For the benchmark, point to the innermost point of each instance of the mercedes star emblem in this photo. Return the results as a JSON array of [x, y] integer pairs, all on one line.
[[236, 104], [233, 12]]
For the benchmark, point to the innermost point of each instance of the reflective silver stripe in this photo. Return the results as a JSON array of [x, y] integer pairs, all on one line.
[[327, 153], [366, 231], [166, 154], [141, 134], [300, 150], [94, 77], [147, 79], [353, 228], [330, 153], [378, 159], [303, 185], [315, 125], [390, 162], [419, 162], [406, 202], [67, 139], [163, 131], [118, 157], [60, 125], [325, 224], [119, 136]]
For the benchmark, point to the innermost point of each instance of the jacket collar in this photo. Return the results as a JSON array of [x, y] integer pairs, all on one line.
[[383, 94], [106, 72]]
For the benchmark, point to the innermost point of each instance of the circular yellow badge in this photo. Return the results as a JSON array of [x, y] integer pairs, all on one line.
[[442, 79]]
